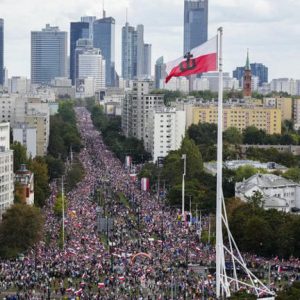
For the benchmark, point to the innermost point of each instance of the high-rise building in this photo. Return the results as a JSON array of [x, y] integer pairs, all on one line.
[[78, 30], [1, 51], [247, 80], [257, 69], [195, 23], [90, 20], [136, 55], [104, 39], [92, 64], [147, 60], [160, 71], [48, 55], [6, 169]]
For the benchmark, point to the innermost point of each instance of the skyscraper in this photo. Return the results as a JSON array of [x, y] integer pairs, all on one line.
[[91, 64], [136, 55], [1, 51], [195, 23], [259, 70], [104, 39], [90, 20], [160, 71], [48, 55], [78, 30]]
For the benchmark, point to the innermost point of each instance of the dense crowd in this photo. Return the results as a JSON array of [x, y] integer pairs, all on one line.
[[150, 253]]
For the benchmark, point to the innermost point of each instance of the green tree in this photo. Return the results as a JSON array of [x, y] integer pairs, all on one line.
[[233, 136], [41, 179], [245, 172], [20, 155], [293, 174], [20, 229], [256, 200], [74, 175], [58, 205], [254, 136], [56, 167], [203, 133]]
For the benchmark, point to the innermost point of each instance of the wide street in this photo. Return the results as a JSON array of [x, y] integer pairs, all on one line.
[[93, 266]]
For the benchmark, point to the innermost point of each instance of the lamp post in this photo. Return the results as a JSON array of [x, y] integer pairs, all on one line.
[[63, 211], [183, 177]]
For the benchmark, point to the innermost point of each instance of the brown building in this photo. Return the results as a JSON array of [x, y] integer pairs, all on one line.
[[247, 81], [24, 185]]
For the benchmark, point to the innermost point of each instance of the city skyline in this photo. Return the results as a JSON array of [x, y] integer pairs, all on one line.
[[242, 20]]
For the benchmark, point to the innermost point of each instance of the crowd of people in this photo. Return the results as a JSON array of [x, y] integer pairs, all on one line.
[[149, 253]]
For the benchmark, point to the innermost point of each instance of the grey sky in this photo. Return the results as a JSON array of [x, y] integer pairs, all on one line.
[[269, 28]]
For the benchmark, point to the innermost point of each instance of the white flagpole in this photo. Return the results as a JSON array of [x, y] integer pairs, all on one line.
[[219, 236]]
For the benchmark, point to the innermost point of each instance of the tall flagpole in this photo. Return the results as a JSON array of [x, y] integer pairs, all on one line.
[[219, 236]]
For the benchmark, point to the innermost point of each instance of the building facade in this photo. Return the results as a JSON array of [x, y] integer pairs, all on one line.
[[25, 185], [26, 136], [195, 23], [1, 52], [136, 55], [277, 192], [247, 80], [241, 117], [48, 55], [167, 130], [104, 39], [78, 30], [6, 170], [160, 72], [257, 69], [284, 104], [92, 64], [136, 107]]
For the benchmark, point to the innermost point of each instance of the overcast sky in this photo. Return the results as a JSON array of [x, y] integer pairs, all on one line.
[[269, 28]]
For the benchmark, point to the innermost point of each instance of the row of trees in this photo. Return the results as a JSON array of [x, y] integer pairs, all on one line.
[[279, 233], [112, 135], [22, 225]]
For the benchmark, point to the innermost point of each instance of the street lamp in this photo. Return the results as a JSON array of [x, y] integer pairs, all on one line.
[[183, 177]]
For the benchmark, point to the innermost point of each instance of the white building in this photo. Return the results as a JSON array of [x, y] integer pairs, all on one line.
[[62, 87], [176, 84], [284, 85], [213, 79], [211, 167], [92, 64], [136, 107], [85, 87], [26, 136], [18, 85], [6, 169], [278, 193], [200, 84], [167, 129], [296, 113]]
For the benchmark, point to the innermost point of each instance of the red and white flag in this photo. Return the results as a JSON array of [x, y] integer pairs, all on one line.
[[101, 285], [199, 60]]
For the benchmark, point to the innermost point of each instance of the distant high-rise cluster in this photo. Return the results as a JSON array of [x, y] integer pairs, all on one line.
[[195, 23], [136, 55]]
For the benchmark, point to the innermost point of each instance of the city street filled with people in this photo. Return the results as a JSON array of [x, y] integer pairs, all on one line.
[[149, 252]]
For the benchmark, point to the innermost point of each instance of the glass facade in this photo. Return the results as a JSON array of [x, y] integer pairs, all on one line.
[[48, 55], [78, 30], [257, 69], [104, 39], [1, 51], [195, 23]]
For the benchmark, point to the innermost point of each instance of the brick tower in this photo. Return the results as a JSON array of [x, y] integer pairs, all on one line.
[[247, 89]]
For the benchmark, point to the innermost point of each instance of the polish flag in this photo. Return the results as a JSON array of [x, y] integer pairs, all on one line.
[[122, 278], [101, 285], [199, 60]]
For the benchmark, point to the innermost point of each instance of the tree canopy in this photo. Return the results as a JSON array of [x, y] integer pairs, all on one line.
[[20, 229]]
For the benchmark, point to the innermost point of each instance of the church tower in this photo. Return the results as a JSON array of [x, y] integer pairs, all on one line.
[[247, 86]]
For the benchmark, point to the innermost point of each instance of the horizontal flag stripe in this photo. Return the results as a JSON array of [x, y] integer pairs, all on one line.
[[201, 64]]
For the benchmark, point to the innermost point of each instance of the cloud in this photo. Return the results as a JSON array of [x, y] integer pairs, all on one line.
[[270, 28]]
